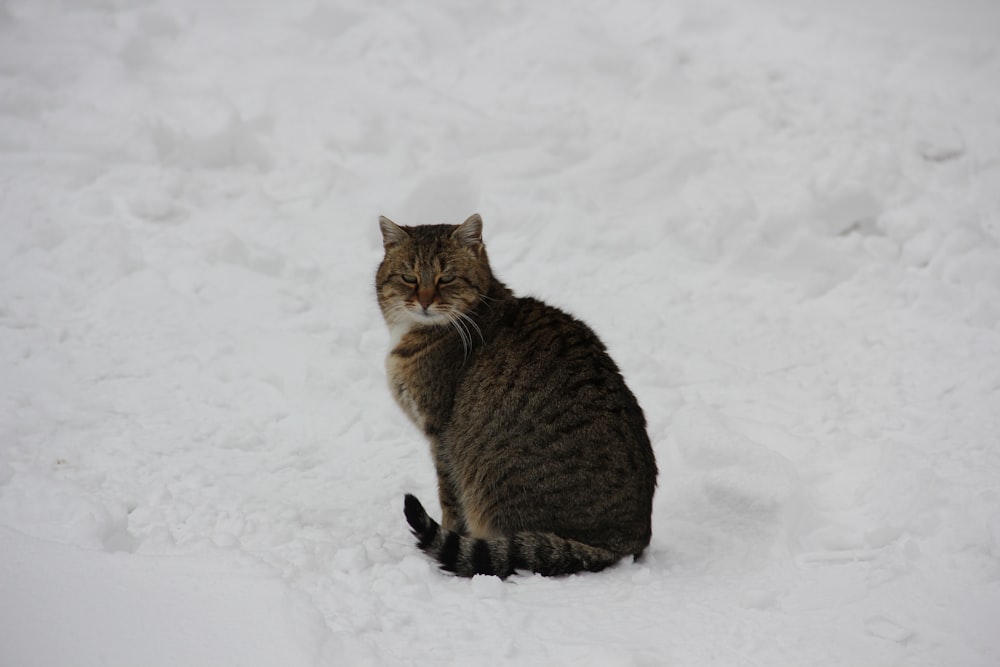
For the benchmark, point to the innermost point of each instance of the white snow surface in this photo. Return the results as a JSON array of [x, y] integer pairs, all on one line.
[[782, 218]]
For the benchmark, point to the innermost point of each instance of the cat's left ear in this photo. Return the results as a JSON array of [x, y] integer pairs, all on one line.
[[470, 232], [392, 234]]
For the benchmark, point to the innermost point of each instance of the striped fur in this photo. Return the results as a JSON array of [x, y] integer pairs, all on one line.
[[544, 553], [541, 452]]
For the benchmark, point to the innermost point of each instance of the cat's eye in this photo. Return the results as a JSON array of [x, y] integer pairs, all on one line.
[[409, 280], [444, 280]]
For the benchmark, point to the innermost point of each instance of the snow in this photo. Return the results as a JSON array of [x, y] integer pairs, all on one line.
[[784, 221], [66, 603]]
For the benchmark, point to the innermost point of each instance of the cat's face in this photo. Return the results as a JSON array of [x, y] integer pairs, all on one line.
[[431, 275]]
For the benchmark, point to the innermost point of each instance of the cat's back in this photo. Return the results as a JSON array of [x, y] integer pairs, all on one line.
[[542, 366], [540, 339]]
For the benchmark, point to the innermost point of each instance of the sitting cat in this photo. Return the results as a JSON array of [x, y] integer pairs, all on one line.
[[542, 457]]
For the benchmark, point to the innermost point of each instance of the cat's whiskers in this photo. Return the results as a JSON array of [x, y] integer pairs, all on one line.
[[463, 332], [462, 323], [468, 318], [485, 300]]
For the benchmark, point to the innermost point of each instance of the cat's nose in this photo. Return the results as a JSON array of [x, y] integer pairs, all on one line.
[[425, 297]]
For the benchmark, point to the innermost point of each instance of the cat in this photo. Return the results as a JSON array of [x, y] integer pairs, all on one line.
[[542, 457]]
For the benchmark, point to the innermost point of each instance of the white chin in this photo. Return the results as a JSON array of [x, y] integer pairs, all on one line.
[[427, 318]]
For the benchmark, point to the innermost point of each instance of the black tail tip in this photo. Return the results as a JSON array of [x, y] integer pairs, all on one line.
[[416, 516]]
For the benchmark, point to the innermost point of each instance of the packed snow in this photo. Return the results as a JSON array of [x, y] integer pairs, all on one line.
[[782, 218]]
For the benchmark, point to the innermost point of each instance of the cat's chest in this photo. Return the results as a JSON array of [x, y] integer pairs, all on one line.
[[404, 383]]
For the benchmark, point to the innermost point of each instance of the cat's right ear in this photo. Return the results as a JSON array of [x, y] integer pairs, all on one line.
[[470, 232], [392, 234]]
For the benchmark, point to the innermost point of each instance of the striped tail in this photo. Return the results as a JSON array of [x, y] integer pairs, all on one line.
[[544, 553]]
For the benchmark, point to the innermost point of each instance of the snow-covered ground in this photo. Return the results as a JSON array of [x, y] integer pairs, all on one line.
[[783, 218]]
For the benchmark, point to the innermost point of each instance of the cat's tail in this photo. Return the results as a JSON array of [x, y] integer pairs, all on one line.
[[544, 553]]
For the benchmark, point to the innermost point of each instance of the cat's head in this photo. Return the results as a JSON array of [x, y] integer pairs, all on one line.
[[431, 275]]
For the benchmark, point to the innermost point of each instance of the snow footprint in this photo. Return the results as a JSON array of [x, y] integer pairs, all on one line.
[[734, 497]]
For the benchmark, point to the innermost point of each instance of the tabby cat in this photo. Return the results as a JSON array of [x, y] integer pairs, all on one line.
[[542, 457]]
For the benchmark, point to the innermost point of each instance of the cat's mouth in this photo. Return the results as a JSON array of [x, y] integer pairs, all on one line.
[[428, 317]]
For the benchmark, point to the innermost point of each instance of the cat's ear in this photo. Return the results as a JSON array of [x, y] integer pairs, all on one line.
[[392, 234], [470, 232]]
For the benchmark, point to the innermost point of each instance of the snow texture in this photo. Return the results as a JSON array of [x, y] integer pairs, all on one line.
[[783, 219]]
